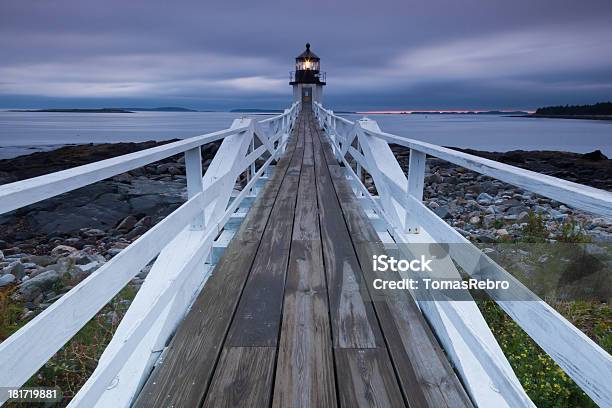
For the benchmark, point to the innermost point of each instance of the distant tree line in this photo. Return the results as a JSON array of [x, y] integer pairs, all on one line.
[[602, 108]]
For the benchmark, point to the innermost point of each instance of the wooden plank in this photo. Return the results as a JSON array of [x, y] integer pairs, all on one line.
[[359, 226], [257, 319], [426, 377], [424, 372], [246, 380], [305, 370], [418, 359], [183, 376], [352, 317], [368, 379], [466, 337], [185, 373]]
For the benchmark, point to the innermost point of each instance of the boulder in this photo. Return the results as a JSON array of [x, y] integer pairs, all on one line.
[[94, 233], [442, 212], [145, 203], [41, 260], [484, 198], [32, 288], [15, 268], [62, 250], [127, 224], [7, 279]]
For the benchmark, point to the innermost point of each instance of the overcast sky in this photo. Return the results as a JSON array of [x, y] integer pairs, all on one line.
[[442, 54]]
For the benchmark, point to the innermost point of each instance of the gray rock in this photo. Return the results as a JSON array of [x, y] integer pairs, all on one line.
[[94, 233], [502, 232], [15, 268], [32, 288], [87, 268], [492, 209], [127, 224], [7, 279], [1, 256], [489, 187], [145, 222], [29, 265], [558, 215], [42, 260], [523, 217], [145, 203], [442, 212], [488, 220], [486, 238], [62, 250], [517, 209], [123, 178], [484, 198], [474, 219], [114, 251]]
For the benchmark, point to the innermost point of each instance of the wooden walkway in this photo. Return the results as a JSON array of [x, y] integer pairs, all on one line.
[[286, 319]]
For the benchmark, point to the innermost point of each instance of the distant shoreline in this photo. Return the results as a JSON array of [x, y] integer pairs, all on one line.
[[582, 117], [103, 110]]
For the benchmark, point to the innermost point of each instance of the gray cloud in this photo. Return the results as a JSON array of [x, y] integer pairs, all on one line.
[[386, 54]]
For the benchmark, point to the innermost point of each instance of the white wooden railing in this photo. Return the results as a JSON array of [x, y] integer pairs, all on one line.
[[181, 242], [459, 325]]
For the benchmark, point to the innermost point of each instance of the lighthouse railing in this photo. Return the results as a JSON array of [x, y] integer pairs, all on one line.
[[399, 205], [178, 246]]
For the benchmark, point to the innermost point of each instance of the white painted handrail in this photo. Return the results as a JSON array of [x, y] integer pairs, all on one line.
[[409, 220], [21, 193], [573, 194], [190, 231]]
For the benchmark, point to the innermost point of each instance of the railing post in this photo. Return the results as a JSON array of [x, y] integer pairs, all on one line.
[[288, 122], [416, 180], [193, 165], [358, 169]]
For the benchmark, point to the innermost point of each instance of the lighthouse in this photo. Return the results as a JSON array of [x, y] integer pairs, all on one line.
[[307, 79]]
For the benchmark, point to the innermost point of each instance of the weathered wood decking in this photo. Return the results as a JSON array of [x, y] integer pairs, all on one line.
[[287, 320]]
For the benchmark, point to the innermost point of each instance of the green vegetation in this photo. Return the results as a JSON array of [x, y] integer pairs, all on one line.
[[543, 380], [602, 108], [72, 365], [569, 231]]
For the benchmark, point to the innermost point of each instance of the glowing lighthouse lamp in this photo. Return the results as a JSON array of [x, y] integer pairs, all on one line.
[[307, 80]]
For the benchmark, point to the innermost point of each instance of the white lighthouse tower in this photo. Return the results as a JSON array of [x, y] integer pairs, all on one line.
[[307, 79]]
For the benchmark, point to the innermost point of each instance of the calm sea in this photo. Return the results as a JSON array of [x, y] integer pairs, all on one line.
[[23, 132]]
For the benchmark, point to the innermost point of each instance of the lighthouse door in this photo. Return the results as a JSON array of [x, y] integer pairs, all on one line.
[[306, 95]]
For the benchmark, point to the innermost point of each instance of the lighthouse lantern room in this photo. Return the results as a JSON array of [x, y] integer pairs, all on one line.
[[307, 79]]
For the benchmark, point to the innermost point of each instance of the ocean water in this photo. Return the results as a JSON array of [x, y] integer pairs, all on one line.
[[500, 133], [25, 132]]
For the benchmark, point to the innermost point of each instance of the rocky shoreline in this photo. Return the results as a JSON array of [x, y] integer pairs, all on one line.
[[48, 247], [488, 210]]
